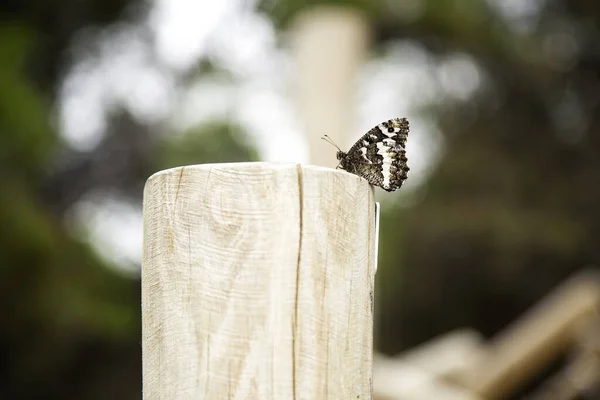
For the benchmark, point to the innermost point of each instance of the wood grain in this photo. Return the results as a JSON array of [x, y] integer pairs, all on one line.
[[257, 283]]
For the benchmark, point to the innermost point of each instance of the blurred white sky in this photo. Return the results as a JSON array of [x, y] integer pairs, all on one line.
[[141, 74]]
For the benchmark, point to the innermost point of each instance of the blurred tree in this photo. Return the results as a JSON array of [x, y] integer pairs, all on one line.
[[57, 297], [509, 212], [70, 326], [211, 142]]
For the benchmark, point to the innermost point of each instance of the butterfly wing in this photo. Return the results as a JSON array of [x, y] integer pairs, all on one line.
[[379, 155]]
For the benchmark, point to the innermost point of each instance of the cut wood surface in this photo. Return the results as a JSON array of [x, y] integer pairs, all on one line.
[[257, 283]]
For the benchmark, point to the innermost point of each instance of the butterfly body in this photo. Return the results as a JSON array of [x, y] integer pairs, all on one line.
[[379, 156]]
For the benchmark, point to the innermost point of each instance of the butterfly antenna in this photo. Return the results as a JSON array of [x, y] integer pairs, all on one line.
[[328, 140]]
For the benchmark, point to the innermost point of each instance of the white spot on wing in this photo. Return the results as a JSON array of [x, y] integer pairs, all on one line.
[[384, 130], [382, 150]]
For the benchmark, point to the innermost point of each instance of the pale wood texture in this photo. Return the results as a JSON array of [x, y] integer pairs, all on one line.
[[257, 283], [329, 45]]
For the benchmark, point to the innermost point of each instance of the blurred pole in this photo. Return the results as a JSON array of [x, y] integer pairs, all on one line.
[[329, 45], [257, 283]]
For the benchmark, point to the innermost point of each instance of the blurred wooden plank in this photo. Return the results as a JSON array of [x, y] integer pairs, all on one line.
[[446, 354], [395, 380], [580, 377], [419, 373], [529, 344]]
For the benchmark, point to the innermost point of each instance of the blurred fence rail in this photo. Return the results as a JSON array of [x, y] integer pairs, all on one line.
[[257, 283], [462, 366]]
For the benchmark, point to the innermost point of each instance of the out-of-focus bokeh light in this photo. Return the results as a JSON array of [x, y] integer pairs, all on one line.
[[500, 207]]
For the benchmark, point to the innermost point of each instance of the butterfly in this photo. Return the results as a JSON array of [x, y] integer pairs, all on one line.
[[379, 156]]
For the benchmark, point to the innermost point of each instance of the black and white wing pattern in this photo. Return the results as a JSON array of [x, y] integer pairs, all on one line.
[[379, 155]]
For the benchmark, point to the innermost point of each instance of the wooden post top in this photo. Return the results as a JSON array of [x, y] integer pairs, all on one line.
[[257, 283]]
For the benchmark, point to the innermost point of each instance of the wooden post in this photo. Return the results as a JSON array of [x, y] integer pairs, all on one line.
[[329, 45], [257, 283]]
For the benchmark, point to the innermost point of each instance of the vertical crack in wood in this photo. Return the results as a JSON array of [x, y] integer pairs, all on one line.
[[295, 323], [179, 183]]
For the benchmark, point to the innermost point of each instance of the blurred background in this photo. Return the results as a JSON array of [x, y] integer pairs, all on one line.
[[500, 209]]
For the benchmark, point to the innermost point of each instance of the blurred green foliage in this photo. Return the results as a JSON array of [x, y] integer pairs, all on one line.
[[70, 324], [23, 109], [510, 210], [283, 12], [212, 142]]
